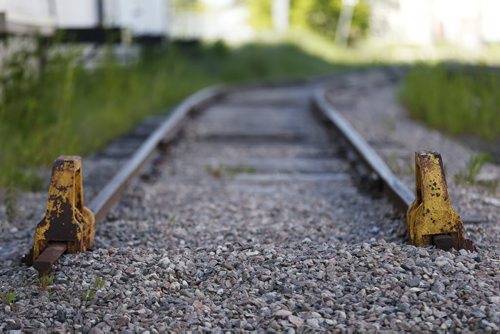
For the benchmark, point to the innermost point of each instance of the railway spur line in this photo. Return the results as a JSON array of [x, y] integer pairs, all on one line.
[[270, 182]]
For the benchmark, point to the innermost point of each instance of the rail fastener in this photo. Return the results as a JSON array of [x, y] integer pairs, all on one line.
[[68, 225], [431, 219]]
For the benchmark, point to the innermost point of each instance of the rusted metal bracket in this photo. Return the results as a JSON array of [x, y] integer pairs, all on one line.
[[68, 226], [431, 219]]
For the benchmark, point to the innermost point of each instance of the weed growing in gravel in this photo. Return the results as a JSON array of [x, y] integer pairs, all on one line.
[[392, 161], [220, 171], [173, 218], [468, 176], [45, 281], [411, 169], [99, 283], [232, 171], [88, 296], [8, 298]]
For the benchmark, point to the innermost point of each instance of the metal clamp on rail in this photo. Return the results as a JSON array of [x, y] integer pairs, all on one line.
[[431, 219], [68, 226]]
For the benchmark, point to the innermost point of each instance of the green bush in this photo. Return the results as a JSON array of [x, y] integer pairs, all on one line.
[[459, 101], [260, 14]]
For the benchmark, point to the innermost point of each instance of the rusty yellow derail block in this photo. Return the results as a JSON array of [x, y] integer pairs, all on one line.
[[66, 220], [431, 219]]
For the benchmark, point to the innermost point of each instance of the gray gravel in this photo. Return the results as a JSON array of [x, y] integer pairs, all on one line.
[[254, 224], [300, 287]]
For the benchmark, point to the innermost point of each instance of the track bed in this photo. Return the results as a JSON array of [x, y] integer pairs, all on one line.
[[254, 222]]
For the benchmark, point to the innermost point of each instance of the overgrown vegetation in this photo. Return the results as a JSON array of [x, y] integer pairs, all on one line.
[[468, 176], [319, 16], [66, 109], [459, 101]]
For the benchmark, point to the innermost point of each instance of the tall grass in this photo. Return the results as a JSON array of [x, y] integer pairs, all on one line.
[[459, 101], [65, 109]]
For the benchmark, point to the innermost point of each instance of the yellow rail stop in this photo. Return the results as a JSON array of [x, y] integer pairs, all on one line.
[[67, 224], [431, 219]]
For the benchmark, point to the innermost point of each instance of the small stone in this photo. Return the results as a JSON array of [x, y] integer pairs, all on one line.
[[441, 261], [313, 322], [283, 313], [478, 314], [413, 281], [228, 266], [164, 262], [342, 315], [439, 314], [438, 287], [494, 299], [422, 252], [298, 322], [96, 330]]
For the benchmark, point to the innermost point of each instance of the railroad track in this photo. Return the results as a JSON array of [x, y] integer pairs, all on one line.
[[261, 182], [233, 127]]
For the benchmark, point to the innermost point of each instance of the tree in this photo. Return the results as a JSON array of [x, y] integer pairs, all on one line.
[[320, 16]]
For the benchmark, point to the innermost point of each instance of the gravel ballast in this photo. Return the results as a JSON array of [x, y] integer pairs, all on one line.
[[253, 223]]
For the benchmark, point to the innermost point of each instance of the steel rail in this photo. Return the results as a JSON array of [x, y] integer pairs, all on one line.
[[104, 201], [400, 194], [111, 193]]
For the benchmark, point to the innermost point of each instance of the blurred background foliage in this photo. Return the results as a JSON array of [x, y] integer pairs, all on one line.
[[455, 99], [64, 108], [319, 16], [52, 105]]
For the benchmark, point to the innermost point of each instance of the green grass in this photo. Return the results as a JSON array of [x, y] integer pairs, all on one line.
[[65, 109], [45, 281], [8, 298], [459, 101], [68, 110]]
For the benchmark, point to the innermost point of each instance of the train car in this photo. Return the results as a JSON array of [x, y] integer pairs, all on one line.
[[140, 19], [21, 17]]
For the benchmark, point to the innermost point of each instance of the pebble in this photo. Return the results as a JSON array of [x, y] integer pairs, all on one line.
[[442, 261], [298, 322], [283, 313]]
